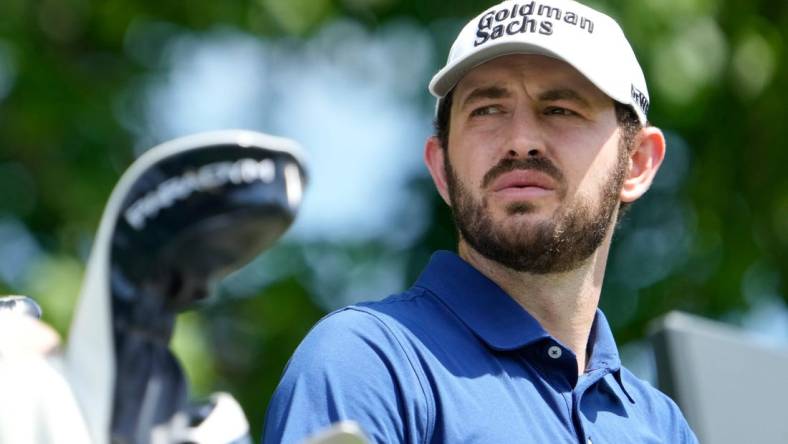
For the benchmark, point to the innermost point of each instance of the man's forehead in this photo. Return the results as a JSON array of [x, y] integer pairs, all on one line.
[[538, 71]]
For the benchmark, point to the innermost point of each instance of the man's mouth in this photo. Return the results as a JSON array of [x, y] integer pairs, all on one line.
[[523, 183]]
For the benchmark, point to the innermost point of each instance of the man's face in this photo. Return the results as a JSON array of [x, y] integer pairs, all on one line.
[[533, 166]]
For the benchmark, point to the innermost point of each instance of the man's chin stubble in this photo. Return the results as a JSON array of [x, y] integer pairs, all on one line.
[[561, 243], [539, 247]]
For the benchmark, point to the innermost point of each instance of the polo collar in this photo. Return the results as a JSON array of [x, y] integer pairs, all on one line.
[[602, 345], [497, 319], [604, 352]]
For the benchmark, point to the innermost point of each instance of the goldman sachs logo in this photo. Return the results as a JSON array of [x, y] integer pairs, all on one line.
[[529, 17]]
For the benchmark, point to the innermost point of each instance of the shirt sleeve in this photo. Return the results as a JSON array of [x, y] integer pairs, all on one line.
[[659, 411], [673, 421], [684, 433], [669, 418], [351, 366]]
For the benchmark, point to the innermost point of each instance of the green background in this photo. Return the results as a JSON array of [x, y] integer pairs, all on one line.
[[711, 238]]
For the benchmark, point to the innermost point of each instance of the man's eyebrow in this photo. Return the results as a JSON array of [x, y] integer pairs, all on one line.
[[552, 95], [486, 92]]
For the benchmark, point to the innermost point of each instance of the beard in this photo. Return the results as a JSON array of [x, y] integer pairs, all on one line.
[[560, 244]]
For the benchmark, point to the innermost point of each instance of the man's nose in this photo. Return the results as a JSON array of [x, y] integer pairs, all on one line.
[[526, 134]]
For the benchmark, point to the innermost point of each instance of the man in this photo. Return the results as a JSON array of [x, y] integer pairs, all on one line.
[[541, 138]]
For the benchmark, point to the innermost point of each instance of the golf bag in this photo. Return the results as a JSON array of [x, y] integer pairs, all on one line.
[[185, 214]]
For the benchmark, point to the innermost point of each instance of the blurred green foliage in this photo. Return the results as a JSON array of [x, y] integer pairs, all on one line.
[[719, 84]]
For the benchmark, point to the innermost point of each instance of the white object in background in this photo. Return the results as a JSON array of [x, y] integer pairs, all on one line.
[[344, 432]]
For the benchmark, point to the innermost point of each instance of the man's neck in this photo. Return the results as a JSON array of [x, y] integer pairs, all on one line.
[[563, 303]]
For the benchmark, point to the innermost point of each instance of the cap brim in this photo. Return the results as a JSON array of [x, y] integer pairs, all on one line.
[[446, 79]]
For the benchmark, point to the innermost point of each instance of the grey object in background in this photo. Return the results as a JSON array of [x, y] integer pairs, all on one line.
[[21, 305], [731, 387]]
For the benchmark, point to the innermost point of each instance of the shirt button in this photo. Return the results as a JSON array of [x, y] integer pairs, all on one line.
[[554, 352]]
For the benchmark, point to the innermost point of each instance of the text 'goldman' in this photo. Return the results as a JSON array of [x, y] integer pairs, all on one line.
[[529, 17]]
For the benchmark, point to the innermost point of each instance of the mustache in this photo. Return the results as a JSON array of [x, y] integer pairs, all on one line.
[[541, 164]]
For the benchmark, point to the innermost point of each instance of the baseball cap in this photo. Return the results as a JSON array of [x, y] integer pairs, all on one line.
[[590, 41]]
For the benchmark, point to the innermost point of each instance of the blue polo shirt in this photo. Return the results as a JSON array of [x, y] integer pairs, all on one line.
[[455, 360]]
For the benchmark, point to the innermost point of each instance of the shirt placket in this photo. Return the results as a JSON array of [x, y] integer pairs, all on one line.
[[584, 382], [562, 364]]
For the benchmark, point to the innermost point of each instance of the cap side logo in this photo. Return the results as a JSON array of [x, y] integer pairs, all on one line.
[[522, 19], [640, 99]]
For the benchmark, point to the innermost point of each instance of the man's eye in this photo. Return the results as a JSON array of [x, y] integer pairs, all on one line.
[[486, 111], [558, 111]]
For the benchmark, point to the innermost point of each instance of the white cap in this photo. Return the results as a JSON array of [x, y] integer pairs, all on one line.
[[592, 42]]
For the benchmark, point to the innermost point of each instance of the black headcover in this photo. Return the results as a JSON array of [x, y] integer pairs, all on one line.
[[198, 211]]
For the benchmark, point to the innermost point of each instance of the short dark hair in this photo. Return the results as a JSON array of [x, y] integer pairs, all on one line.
[[442, 119], [630, 124], [626, 117]]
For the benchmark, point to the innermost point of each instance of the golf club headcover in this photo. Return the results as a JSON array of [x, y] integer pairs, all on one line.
[[186, 213]]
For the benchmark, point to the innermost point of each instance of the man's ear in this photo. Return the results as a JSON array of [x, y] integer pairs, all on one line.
[[644, 161], [434, 157]]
